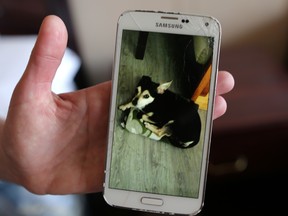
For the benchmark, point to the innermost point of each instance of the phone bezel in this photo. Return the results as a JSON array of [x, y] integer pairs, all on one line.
[[144, 21]]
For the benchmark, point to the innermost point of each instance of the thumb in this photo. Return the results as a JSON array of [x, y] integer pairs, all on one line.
[[45, 57]]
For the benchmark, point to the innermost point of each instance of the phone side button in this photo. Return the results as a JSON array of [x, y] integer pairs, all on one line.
[[151, 201]]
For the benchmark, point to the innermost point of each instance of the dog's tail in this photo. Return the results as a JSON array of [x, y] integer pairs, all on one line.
[[181, 144]]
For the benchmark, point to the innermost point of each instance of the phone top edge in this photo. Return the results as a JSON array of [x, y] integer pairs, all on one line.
[[172, 13], [213, 24], [168, 13]]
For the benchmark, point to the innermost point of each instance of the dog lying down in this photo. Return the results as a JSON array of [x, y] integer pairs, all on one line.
[[164, 114]]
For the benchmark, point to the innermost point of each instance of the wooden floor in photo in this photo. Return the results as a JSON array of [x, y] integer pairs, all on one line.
[[139, 163]]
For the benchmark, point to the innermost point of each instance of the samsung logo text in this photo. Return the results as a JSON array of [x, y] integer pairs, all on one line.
[[169, 25]]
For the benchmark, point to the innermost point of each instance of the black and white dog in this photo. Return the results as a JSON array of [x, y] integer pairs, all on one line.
[[166, 113]]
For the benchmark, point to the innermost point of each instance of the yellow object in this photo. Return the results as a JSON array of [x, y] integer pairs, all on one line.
[[202, 101]]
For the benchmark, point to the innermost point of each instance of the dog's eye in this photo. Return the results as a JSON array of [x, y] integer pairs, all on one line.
[[146, 96]]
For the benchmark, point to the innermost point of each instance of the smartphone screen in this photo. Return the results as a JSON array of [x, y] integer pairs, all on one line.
[[162, 102]]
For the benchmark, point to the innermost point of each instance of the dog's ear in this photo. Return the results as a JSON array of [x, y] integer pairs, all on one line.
[[163, 87]]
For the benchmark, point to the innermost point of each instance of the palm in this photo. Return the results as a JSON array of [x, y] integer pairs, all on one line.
[[64, 147]]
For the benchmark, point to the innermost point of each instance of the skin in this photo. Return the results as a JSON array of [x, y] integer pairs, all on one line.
[[56, 144]]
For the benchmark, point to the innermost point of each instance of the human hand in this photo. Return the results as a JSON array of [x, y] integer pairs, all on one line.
[[225, 83], [56, 144]]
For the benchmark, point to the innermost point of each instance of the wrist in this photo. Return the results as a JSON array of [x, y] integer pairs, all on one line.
[[2, 155], [4, 167], [2, 164]]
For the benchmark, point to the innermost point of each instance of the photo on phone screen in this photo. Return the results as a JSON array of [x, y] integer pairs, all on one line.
[[142, 159], [162, 99]]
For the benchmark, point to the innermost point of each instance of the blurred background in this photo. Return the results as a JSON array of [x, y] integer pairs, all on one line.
[[248, 161]]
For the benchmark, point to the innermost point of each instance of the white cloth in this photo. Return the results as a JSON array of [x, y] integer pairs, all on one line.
[[14, 55]]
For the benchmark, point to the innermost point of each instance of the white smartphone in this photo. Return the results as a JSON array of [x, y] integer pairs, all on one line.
[[164, 80]]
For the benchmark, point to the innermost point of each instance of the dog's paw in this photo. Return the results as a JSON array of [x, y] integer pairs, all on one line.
[[149, 126], [126, 106], [123, 107], [146, 123]]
